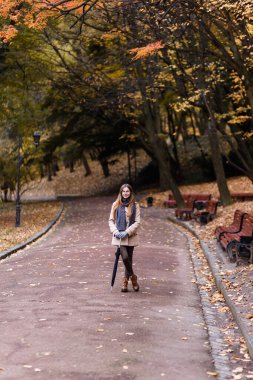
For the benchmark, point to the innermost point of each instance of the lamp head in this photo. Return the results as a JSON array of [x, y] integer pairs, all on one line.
[[36, 138]]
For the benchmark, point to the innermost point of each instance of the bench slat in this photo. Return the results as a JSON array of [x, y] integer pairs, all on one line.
[[235, 227]]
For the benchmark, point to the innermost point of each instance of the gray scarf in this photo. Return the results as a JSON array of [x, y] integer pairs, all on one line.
[[121, 223]]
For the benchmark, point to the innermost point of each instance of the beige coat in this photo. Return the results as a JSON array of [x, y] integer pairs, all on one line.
[[132, 231]]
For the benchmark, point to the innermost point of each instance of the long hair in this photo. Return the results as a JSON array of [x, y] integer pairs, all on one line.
[[119, 199]]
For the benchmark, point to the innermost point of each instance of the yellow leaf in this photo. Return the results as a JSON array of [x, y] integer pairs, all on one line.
[[223, 309]]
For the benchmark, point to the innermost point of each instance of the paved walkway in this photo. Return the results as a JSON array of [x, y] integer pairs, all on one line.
[[59, 319]]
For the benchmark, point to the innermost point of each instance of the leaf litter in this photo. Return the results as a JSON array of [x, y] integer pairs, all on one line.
[[234, 346], [34, 217]]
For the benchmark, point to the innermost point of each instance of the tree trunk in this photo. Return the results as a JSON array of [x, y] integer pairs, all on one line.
[[105, 166], [172, 134], [54, 169], [249, 92], [6, 195], [41, 169], [203, 155], [161, 153], [86, 165], [165, 173], [71, 166], [154, 134], [135, 164], [49, 172], [216, 156], [129, 166]]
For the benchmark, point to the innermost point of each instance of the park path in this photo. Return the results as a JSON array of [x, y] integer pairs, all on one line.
[[59, 319]]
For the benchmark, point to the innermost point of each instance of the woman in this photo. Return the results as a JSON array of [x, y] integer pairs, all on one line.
[[124, 222]]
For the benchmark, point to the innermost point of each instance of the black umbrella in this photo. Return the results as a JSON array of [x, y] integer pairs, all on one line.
[[117, 255]]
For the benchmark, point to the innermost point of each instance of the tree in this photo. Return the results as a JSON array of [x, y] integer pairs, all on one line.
[[149, 63]]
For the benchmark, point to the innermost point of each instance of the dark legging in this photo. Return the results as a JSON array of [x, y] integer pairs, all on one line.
[[127, 257]]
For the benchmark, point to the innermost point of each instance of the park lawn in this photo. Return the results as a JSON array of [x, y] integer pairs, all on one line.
[[34, 217]]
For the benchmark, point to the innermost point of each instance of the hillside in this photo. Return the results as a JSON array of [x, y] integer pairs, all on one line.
[[75, 183]]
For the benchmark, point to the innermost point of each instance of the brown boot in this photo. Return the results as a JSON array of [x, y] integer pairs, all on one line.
[[124, 285], [135, 283]]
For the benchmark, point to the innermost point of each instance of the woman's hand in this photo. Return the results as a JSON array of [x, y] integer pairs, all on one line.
[[122, 235]]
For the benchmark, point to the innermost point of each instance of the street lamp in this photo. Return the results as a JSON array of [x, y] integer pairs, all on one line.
[[36, 140]]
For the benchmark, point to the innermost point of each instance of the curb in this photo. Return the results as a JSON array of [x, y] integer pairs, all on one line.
[[219, 283], [16, 248]]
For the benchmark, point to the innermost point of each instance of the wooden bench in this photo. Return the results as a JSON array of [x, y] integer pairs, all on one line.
[[207, 212], [235, 227], [186, 212], [229, 240], [244, 250], [192, 201], [171, 202], [242, 196]]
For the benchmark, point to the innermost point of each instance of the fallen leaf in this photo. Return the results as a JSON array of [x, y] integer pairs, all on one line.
[[237, 370], [223, 309], [217, 297]]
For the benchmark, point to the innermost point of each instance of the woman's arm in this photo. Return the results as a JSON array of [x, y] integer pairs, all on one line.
[[131, 230], [111, 221]]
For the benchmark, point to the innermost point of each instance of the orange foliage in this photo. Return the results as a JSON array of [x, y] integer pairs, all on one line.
[[7, 33], [33, 14], [15, 12], [147, 50]]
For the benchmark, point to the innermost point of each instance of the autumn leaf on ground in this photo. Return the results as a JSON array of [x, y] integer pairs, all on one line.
[[216, 297], [223, 309], [213, 373], [238, 370], [34, 219]]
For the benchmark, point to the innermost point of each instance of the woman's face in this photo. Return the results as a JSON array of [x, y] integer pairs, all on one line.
[[126, 192]]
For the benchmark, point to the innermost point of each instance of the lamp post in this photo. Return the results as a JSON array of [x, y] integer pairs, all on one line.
[[36, 140]]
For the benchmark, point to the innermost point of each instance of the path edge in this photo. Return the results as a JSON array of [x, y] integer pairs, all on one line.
[[33, 238], [219, 283]]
